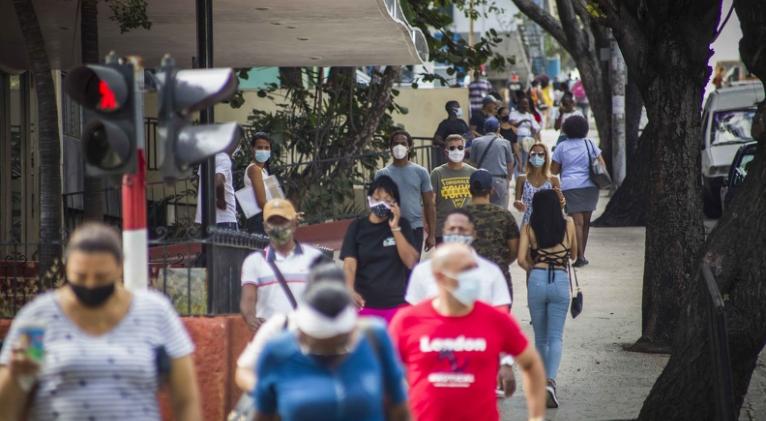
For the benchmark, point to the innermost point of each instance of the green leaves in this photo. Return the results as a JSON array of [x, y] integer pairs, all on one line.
[[434, 18], [130, 14]]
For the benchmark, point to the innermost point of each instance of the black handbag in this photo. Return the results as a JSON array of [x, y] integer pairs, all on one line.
[[598, 173], [576, 307]]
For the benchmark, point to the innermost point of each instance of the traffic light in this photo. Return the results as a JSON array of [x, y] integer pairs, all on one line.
[[180, 94], [109, 136]]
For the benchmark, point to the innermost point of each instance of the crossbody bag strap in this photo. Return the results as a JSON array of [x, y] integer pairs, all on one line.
[[592, 147], [486, 151], [281, 279]]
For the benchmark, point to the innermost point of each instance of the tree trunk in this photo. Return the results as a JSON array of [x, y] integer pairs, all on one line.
[[49, 144], [675, 233], [93, 187], [633, 110], [736, 252], [628, 205], [599, 97]]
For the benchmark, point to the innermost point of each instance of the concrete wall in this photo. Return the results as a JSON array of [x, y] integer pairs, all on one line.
[[426, 107]]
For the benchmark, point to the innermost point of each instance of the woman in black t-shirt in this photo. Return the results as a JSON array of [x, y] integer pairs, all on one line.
[[378, 253]]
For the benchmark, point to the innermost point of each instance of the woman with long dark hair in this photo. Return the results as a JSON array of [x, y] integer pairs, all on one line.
[[255, 174], [546, 246]]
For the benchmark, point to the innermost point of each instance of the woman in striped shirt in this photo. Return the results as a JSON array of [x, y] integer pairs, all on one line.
[[92, 350]]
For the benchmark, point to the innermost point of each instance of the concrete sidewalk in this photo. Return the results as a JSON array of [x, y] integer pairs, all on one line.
[[598, 380]]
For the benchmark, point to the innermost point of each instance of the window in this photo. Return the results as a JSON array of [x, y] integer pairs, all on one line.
[[732, 126]]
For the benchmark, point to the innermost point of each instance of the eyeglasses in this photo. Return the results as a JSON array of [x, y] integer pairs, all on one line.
[[537, 154], [452, 148]]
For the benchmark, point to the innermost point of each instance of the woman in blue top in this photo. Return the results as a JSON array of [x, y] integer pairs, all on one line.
[[334, 367], [572, 160]]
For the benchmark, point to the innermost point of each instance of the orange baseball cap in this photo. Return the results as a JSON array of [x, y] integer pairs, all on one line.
[[279, 207]]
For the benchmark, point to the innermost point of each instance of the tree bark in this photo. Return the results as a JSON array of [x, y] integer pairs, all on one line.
[[633, 110], [736, 253], [93, 187], [667, 46], [628, 205], [675, 232], [48, 130]]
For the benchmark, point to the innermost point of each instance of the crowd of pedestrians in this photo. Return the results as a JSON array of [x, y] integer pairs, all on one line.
[[390, 334]]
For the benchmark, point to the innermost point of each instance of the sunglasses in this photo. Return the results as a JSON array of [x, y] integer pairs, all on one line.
[[452, 148], [537, 154]]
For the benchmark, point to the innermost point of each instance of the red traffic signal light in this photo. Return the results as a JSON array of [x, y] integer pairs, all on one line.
[[100, 88], [109, 138]]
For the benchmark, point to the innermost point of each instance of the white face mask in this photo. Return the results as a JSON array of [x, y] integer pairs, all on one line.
[[468, 286], [459, 112], [458, 238], [456, 156], [399, 151]]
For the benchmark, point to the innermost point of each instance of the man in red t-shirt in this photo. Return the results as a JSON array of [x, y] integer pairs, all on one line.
[[451, 347]]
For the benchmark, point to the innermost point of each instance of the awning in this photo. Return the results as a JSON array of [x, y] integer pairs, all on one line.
[[247, 33]]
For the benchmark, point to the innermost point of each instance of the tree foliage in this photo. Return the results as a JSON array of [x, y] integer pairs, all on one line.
[[433, 17], [329, 132], [328, 137], [129, 14]]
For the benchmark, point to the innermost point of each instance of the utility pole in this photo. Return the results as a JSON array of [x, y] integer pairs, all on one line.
[[470, 23], [617, 77], [135, 235]]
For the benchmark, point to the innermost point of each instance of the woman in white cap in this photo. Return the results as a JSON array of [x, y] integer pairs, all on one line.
[[333, 367]]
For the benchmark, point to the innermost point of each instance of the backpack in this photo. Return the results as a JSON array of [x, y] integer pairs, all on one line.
[[578, 91]]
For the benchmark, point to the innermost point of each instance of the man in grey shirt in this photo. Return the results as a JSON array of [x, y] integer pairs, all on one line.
[[415, 190], [495, 154]]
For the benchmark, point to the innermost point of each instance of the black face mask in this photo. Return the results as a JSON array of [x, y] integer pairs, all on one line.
[[92, 297], [381, 211]]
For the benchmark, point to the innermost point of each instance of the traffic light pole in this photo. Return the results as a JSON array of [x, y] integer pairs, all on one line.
[[204, 10], [134, 232]]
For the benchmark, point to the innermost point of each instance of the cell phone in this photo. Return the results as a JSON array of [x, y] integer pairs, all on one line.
[[35, 334]]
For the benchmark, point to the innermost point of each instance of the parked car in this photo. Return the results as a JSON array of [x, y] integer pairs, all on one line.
[[726, 121], [737, 172]]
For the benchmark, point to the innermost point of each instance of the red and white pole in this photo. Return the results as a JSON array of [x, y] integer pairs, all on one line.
[[134, 231]]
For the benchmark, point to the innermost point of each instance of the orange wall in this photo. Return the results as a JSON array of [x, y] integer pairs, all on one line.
[[218, 342]]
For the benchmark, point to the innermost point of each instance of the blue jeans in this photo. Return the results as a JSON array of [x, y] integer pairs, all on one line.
[[548, 304]]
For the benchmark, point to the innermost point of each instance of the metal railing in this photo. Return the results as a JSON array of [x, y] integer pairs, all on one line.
[[176, 268], [719, 349], [176, 249]]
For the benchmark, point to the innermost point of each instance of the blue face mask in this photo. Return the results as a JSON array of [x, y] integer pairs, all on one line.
[[468, 286], [537, 161], [262, 156]]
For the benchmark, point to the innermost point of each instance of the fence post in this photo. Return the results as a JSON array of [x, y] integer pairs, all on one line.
[[719, 349]]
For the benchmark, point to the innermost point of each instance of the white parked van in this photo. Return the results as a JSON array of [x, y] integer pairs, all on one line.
[[726, 121]]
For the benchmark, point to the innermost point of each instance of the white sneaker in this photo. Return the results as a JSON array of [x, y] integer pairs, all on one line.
[[551, 400]]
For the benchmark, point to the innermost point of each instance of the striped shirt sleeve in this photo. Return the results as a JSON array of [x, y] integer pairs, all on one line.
[[177, 341]]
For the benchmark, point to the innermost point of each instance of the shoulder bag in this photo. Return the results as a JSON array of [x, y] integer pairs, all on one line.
[[598, 173], [484, 155], [576, 307]]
